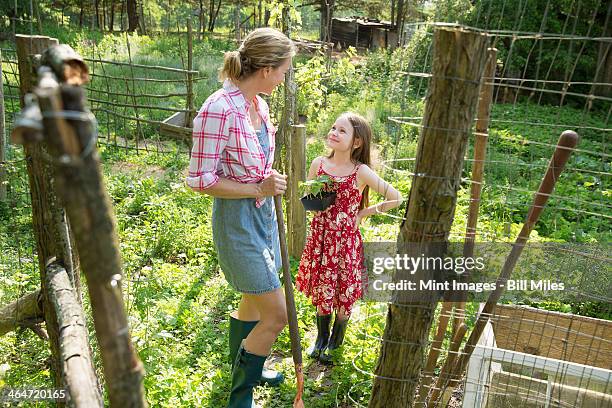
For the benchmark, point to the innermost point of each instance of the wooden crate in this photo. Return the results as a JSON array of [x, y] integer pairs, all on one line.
[[562, 336]]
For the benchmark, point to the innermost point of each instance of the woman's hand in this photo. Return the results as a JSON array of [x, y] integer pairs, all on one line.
[[274, 184]]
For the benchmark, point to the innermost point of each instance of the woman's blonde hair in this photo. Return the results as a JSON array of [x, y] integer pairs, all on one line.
[[263, 47]]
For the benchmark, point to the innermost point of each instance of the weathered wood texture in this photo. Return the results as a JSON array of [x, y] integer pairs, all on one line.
[[3, 177], [296, 215], [458, 64], [508, 390], [25, 311], [79, 183], [42, 194], [583, 340], [77, 363]]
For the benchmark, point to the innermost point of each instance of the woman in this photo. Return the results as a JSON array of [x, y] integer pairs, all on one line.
[[231, 160]]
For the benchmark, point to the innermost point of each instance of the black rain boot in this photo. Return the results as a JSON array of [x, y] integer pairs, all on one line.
[[335, 341], [323, 323], [238, 331], [245, 376]]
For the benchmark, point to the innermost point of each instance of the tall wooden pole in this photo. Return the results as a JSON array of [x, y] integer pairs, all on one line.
[[297, 171], [481, 137], [459, 59], [189, 115]]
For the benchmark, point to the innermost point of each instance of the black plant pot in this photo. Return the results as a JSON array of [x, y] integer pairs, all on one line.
[[319, 202]]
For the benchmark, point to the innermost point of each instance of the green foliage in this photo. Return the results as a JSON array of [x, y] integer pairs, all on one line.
[[315, 186]]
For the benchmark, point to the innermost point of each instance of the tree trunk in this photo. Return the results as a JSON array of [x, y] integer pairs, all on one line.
[[132, 12], [266, 17], [327, 13], [81, 12], [111, 22], [399, 19], [458, 63], [237, 22], [201, 20], [97, 8], [259, 14], [26, 310], [214, 12], [142, 19]]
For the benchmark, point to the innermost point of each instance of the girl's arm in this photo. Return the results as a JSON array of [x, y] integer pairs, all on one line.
[[314, 166], [366, 176]]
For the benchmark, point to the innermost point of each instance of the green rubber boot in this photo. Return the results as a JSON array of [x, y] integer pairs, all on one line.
[[335, 341], [323, 323], [238, 331], [245, 376]]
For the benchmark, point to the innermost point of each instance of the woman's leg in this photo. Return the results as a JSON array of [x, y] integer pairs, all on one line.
[[273, 318], [247, 311]]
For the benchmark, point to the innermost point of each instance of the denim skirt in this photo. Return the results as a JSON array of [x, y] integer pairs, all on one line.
[[247, 244]]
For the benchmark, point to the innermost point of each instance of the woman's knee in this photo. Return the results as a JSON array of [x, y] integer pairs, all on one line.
[[276, 320]]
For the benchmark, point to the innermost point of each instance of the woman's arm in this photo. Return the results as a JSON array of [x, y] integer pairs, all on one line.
[[274, 184], [366, 176], [211, 134]]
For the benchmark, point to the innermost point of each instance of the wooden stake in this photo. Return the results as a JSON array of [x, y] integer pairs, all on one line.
[[434, 352], [480, 149]]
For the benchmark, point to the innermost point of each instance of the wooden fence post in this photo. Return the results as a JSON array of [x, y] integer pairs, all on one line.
[[3, 177], [80, 185], [296, 215], [458, 63], [41, 193], [189, 105]]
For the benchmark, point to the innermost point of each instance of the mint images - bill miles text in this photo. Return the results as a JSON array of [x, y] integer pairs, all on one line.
[[433, 285]]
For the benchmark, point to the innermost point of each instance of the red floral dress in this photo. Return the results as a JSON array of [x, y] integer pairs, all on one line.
[[332, 271]]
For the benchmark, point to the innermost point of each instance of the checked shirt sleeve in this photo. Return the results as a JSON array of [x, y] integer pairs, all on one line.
[[210, 136]]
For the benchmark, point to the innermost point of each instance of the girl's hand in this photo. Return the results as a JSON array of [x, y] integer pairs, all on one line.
[[360, 216]]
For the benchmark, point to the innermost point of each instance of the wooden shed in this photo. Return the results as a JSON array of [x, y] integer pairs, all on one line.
[[363, 33]]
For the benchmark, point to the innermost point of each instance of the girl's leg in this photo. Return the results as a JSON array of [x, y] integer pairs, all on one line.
[[342, 314], [337, 337], [323, 323], [273, 318]]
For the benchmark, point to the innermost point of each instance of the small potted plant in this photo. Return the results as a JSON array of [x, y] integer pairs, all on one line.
[[314, 197]]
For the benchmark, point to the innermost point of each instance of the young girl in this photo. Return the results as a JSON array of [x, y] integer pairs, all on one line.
[[332, 271]]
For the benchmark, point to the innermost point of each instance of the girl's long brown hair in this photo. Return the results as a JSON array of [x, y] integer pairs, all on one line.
[[362, 131]]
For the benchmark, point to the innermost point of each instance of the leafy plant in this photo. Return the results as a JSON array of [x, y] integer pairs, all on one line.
[[315, 186]]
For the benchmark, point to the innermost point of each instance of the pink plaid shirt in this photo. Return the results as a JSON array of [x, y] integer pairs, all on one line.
[[225, 143]]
